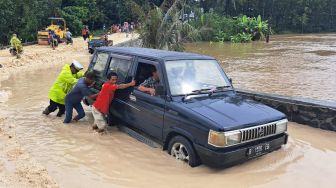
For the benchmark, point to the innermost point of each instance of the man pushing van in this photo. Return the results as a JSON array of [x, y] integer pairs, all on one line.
[[62, 86]]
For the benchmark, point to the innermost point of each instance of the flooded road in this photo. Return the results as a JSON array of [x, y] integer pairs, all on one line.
[[76, 156], [291, 65]]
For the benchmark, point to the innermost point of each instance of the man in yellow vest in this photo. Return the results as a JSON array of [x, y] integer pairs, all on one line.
[[63, 84], [16, 43]]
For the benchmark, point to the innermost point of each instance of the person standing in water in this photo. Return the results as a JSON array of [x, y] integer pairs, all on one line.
[[63, 84]]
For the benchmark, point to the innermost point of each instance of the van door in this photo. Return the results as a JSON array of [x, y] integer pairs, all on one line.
[[98, 66], [147, 110], [121, 65]]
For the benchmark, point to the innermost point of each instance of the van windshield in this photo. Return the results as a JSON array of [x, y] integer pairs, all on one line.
[[188, 76]]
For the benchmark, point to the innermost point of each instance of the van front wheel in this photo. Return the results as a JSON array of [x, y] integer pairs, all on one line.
[[180, 148]]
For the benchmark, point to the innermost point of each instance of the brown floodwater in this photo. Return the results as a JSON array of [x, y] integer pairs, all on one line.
[[291, 65], [75, 156]]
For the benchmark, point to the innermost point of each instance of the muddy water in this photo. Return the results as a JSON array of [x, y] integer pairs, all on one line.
[[292, 65], [75, 156]]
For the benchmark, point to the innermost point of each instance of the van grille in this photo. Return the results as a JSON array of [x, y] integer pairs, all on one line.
[[257, 132]]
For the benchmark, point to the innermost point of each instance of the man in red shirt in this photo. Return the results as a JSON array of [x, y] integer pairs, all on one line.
[[101, 106]]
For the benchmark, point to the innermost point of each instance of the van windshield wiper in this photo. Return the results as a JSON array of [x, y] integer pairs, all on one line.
[[198, 92], [219, 88], [208, 91], [201, 91]]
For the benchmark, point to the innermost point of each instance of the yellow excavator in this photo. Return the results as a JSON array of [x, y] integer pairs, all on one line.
[[42, 36]]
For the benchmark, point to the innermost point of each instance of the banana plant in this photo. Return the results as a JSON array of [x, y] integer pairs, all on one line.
[[163, 27]]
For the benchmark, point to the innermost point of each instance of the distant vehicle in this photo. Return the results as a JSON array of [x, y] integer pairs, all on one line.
[[196, 114], [95, 43], [58, 25]]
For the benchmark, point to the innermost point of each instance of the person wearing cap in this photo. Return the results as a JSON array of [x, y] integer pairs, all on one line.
[[62, 86]]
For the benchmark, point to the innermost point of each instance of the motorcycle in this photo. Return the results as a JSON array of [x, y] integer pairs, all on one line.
[[69, 40]]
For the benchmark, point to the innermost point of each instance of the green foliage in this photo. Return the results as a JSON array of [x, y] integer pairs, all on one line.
[[241, 37], [162, 28], [26, 17], [221, 36], [214, 27], [74, 16]]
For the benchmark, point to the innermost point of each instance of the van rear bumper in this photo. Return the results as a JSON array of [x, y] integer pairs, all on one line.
[[228, 157]]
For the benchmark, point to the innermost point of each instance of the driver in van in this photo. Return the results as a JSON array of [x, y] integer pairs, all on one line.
[[148, 86]]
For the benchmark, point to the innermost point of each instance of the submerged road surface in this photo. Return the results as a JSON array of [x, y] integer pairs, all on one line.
[[76, 156]]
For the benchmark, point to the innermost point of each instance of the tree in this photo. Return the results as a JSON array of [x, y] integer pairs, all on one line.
[[163, 27]]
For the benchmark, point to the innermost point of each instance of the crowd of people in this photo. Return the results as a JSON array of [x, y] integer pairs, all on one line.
[[126, 28]]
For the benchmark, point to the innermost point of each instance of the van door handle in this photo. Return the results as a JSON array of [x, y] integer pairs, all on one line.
[[132, 97]]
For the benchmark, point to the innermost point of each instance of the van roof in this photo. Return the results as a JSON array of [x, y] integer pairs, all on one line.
[[154, 53]]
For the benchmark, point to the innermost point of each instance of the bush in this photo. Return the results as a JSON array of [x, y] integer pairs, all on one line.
[[241, 37], [206, 33], [217, 28]]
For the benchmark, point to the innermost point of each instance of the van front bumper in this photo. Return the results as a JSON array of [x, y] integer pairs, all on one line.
[[230, 156]]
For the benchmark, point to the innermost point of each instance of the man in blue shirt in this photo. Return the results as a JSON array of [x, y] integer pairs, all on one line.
[[74, 97]]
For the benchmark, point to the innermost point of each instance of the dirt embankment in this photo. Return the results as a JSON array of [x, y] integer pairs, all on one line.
[[17, 167]]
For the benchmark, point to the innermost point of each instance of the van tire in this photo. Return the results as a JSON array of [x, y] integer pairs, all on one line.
[[180, 148]]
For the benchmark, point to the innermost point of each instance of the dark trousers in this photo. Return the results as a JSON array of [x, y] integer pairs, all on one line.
[[69, 108], [54, 105]]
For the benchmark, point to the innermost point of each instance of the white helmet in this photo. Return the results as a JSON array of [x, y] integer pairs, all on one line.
[[77, 65]]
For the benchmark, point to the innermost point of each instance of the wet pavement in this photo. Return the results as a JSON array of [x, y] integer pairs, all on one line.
[[290, 65]]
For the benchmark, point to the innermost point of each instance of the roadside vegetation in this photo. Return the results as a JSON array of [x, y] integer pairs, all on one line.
[[216, 20], [213, 27]]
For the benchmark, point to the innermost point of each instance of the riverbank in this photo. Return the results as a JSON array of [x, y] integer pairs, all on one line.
[[17, 167]]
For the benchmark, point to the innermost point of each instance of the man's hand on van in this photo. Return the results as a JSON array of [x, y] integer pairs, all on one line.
[[132, 83], [151, 91], [124, 86], [148, 90]]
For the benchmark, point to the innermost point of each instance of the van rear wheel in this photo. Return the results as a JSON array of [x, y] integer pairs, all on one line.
[[180, 148]]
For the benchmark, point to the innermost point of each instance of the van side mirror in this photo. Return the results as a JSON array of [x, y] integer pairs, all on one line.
[[230, 79], [160, 90]]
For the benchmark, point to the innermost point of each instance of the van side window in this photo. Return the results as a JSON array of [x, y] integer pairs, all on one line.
[[143, 72], [148, 77], [121, 67], [100, 62]]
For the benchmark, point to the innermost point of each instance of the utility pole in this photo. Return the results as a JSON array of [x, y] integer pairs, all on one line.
[[118, 7], [331, 18]]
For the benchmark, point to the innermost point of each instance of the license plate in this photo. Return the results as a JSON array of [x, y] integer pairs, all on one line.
[[258, 150]]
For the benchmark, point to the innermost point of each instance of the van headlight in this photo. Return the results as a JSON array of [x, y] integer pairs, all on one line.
[[222, 139], [281, 126]]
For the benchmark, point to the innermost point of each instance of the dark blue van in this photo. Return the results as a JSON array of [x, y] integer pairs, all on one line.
[[195, 114]]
